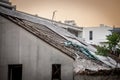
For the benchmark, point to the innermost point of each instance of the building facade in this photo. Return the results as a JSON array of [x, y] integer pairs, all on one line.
[[96, 35]]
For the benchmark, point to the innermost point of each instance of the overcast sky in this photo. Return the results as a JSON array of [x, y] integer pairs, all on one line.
[[84, 12]]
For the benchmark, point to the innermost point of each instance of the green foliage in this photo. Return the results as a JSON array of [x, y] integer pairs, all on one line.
[[113, 40], [102, 50], [113, 45]]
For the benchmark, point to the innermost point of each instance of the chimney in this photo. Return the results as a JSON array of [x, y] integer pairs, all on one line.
[[7, 4]]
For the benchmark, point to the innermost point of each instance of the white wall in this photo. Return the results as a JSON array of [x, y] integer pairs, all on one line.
[[99, 34], [17, 46]]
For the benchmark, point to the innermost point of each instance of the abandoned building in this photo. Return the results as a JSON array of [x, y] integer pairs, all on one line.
[[33, 48]]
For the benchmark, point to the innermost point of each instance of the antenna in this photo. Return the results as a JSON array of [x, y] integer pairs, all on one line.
[[54, 14]]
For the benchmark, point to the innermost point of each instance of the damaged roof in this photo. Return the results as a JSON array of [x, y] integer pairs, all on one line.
[[48, 32], [42, 30]]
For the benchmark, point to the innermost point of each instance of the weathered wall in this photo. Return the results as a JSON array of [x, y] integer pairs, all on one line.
[[9, 46], [85, 77], [17, 46]]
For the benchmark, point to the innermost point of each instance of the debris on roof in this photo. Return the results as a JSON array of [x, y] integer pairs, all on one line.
[[81, 49], [80, 65], [106, 72]]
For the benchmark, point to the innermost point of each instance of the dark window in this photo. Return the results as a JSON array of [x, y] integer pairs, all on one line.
[[56, 72], [91, 35], [73, 32], [15, 72]]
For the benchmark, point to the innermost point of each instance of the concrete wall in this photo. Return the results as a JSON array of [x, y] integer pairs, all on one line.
[[99, 34], [17, 46], [9, 46], [86, 77]]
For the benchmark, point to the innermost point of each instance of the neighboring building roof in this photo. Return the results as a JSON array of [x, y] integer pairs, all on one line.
[[117, 30]]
